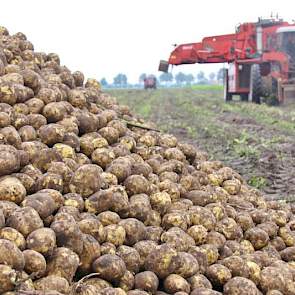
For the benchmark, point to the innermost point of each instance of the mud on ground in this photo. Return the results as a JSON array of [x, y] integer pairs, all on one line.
[[256, 140]]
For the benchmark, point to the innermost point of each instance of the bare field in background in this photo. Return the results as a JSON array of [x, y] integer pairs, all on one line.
[[256, 140]]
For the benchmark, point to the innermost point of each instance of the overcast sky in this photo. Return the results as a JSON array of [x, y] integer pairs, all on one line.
[[104, 37]]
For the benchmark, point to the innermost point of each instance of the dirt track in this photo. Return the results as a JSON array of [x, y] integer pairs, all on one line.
[[256, 140]]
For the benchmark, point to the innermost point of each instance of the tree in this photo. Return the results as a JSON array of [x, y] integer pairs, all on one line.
[[220, 75], [166, 77], [104, 82], [120, 80], [142, 77], [189, 78], [212, 76], [202, 78], [180, 78]]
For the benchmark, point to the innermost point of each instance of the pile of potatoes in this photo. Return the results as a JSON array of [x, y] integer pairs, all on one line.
[[90, 206]]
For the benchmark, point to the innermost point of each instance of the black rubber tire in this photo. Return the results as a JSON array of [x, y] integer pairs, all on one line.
[[226, 95], [255, 84]]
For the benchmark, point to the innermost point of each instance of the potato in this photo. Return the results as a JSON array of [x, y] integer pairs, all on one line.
[[11, 136], [34, 263], [14, 236], [160, 202], [175, 283], [67, 232], [130, 257], [199, 281], [78, 78], [53, 283], [110, 134], [102, 157], [174, 219], [110, 267], [8, 278], [146, 281], [94, 228], [37, 121], [134, 229], [25, 220], [211, 252], [288, 254], [136, 184], [35, 105], [108, 218], [121, 168], [229, 228], [42, 203], [9, 160], [245, 221], [7, 93], [239, 285], [64, 263], [237, 266], [43, 158], [272, 279], [287, 236], [258, 237], [91, 251], [186, 265], [160, 261], [5, 120], [108, 248], [154, 233], [198, 233], [11, 255], [7, 208], [55, 195], [42, 240], [127, 281], [86, 180]]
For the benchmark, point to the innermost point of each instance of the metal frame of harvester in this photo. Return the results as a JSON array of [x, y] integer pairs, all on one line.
[[260, 57]]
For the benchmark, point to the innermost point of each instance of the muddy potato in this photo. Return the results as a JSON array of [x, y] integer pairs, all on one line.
[[186, 265], [218, 274], [110, 134], [258, 237], [27, 133], [229, 228], [115, 234], [237, 266], [272, 279], [7, 208], [67, 232], [51, 181], [41, 202], [9, 160], [143, 169], [199, 281], [160, 202], [135, 230], [86, 180], [11, 255], [99, 202], [53, 283], [51, 134], [55, 195], [110, 267], [139, 206], [130, 257], [202, 216], [136, 184], [239, 285], [7, 93], [34, 263], [288, 254], [146, 281], [288, 237], [42, 240], [270, 228], [25, 220], [211, 252], [107, 248], [174, 219], [73, 211], [175, 283], [91, 251], [160, 261], [153, 218], [108, 180], [198, 233], [278, 243], [74, 200], [274, 292], [102, 157], [245, 221], [126, 282], [154, 233], [218, 210], [11, 136], [108, 218], [35, 105], [11, 234], [5, 120], [37, 121], [64, 263], [8, 278], [121, 168]]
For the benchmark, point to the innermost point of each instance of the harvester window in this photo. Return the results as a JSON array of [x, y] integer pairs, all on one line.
[[288, 44]]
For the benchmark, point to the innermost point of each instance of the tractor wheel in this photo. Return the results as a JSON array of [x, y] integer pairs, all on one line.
[[226, 95], [255, 84]]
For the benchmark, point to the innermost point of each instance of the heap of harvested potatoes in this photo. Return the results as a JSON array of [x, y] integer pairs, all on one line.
[[90, 204]]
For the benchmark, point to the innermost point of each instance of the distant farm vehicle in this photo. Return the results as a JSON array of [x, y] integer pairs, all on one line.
[[150, 82], [261, 58]]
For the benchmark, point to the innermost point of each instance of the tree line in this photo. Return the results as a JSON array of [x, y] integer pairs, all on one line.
[[167, 79]]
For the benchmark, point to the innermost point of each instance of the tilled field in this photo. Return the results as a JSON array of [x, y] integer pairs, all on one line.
[[256, 140]]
